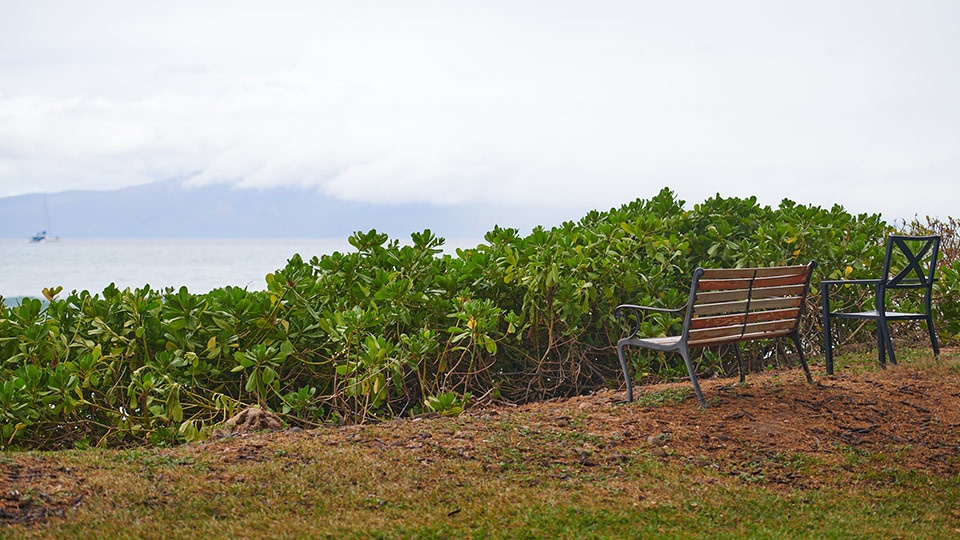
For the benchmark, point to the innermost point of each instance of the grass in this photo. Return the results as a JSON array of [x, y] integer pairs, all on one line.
[[344, 493], [669, 396], [528, 479], [377, 501], [866, 361]]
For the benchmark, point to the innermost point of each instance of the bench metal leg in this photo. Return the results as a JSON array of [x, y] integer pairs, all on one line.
[[803, 361], [685, 352], [736, 349]]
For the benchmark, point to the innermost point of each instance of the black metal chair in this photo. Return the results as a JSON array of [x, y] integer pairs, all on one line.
[[909, 263]]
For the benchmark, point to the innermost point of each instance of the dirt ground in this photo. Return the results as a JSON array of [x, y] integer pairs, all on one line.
[[911, 412]]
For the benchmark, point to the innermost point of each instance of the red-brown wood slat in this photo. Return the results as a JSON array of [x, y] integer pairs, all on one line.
[[722, 308], [716, 332], [722, 284], [779, 280], [774, 315], [717, 320], [715, 342], [758, 304], [755, 316], [710, 284], [729, 273], [782, 290], [739, 278], [729, 334], [715, 297]]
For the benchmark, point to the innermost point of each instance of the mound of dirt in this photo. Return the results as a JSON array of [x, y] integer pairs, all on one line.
[[912, 411], [253, 419]]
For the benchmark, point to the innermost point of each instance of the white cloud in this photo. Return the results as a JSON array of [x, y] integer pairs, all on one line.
[[561, 103]]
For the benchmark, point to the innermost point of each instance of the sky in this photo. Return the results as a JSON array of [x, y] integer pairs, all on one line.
[[562, 104]]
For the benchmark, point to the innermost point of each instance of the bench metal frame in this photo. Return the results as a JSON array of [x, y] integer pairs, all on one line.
[[728, 306]]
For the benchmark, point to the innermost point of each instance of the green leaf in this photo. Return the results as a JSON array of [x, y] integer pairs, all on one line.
[[253, 381]]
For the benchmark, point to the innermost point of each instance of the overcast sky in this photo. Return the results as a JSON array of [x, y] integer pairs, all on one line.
[[589, 103]]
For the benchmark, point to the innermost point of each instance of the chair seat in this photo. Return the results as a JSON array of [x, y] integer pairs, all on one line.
[[873, 315]]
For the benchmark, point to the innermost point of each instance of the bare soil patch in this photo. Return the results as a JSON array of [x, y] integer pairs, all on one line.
[[908, 414]]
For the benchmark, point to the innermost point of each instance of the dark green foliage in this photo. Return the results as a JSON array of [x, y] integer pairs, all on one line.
[[393, 329]]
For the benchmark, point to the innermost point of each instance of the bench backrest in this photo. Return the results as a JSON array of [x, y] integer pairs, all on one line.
[[738, 304]]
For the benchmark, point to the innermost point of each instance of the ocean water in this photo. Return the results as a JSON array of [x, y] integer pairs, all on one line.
[[200, 265]]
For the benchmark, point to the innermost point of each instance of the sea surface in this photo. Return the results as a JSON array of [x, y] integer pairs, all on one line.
[[200, 265]]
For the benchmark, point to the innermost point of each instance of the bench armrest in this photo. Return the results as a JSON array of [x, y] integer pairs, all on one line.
[[636, 311], [636, 308]]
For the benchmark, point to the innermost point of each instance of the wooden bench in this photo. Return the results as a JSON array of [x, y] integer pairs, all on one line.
[[728, 306]]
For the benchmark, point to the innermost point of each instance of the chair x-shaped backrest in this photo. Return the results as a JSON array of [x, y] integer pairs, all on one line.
[[921, 261]]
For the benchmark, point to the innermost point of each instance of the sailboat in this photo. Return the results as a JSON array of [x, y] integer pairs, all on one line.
[[42, 236]]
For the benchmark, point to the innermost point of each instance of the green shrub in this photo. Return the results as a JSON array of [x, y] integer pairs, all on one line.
[[391, 329]]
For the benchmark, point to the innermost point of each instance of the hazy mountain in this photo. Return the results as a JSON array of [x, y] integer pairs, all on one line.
[[171, 210]]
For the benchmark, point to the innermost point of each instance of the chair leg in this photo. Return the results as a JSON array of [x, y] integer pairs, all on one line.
[[803, 361], [736, 349], [888, 342], [685, 352], [626, 372], [881, 346], [827, 338], [933, 336]]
